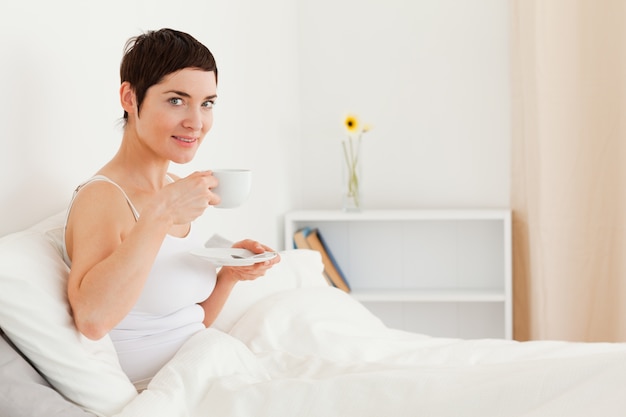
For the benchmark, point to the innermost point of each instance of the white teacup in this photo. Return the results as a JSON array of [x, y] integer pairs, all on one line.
[[234, 186]]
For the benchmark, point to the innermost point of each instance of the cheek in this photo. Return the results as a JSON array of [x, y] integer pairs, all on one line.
[[163, 123], [207, 123], [151, 120]]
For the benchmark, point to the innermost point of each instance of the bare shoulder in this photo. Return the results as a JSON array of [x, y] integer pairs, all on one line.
[[100, 197], [100, 213]]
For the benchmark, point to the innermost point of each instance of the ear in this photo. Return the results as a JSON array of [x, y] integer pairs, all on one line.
[[128, 99]]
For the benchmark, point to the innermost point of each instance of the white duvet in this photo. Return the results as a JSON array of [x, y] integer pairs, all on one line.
[[317, 352]]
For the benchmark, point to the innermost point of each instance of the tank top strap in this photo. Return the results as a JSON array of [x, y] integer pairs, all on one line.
[[95, 178], [110, 181]]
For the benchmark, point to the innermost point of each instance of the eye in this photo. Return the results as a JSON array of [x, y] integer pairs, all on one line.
[[176, 101], [208, 104]]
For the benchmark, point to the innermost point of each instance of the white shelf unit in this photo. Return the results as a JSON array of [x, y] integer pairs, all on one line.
[[445, 273]]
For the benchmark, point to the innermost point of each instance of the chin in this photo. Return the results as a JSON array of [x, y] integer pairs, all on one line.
[[183, 159]]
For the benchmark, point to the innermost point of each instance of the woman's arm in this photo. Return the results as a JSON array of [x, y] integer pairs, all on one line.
[[112, 254]]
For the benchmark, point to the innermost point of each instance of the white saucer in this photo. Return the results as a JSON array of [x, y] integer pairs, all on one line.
[[224, 256]]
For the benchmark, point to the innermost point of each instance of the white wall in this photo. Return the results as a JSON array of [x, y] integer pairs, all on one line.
[[60, 114], [431, 76]]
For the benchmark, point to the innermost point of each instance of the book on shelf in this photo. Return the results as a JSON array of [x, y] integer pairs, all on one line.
[[299, 238], [300, 242], [307, 238]]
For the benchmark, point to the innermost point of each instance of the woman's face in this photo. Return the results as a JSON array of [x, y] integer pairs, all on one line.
[[177, 113]]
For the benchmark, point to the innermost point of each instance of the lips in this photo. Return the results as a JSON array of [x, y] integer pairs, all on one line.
[[185, 140]]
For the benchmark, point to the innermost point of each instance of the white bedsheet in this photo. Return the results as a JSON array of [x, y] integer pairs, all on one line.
[[317, 352]]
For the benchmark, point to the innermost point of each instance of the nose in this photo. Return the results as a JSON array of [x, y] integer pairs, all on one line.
[[193, 120]]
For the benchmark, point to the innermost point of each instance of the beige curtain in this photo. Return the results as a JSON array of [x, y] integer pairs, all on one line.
[[569, 169]]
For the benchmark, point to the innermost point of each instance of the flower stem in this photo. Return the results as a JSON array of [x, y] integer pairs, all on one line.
[[351, 156]]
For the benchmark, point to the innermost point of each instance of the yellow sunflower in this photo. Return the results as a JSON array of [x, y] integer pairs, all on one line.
[[351, 151], [351, 123]]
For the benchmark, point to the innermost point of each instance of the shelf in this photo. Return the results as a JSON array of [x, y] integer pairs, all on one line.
[[400, 215], [446, 272], [452, 296]]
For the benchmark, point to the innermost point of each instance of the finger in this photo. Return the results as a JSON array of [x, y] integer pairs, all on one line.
[[251, 245], [214, 199], [206, 177]]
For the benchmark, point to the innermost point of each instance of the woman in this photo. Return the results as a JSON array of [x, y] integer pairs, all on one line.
[[129, 229]]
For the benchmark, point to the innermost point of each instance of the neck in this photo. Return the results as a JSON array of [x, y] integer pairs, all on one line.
[[146, 174]]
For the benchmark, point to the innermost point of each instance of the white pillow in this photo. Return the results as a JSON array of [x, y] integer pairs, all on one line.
[[298, 268], [35, 314]]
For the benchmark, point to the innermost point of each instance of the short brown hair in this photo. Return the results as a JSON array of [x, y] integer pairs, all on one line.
[[149, 57]]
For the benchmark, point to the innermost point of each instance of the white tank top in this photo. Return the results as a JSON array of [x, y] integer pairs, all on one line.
[[167, 311]]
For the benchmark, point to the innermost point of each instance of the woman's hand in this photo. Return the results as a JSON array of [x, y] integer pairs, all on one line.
[[187, 198], [230, 275], [250, 272]]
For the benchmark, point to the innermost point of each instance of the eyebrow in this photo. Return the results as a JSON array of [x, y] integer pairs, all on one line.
[[183, 94]]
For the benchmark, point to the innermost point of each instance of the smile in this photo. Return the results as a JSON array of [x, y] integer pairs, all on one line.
[[186, 140]]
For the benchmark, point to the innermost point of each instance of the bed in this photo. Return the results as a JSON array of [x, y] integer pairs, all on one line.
[[285, 345]]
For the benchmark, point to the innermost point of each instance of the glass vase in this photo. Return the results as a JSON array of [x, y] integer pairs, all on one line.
[[351, 177]]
